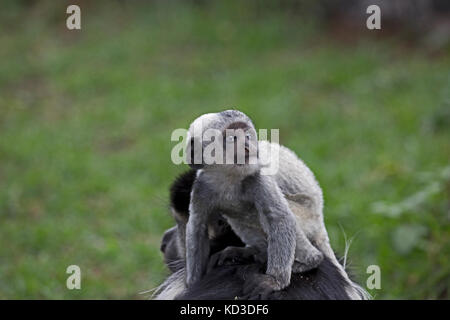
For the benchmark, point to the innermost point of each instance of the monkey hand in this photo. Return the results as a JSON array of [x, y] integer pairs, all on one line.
[[260, 287], [232, 255]]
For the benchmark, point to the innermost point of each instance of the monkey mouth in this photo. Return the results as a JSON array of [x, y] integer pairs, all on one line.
[[246, 159]]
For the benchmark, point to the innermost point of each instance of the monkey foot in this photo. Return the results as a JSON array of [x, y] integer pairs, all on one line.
[[259, 287], [230, 256]]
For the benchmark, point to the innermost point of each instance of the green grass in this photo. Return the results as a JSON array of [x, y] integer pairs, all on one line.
[[86, 118]]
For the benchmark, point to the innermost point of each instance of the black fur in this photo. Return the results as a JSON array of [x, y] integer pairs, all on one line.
[[180, 191], [228, 283], [225, 239]]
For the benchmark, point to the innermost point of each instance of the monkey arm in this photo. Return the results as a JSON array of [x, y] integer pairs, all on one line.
[[279, 224], [197, 240], [197, 248]]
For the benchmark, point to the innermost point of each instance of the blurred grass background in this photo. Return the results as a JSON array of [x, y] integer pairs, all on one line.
[[86, 118]]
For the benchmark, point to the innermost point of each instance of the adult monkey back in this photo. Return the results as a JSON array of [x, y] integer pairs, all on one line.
[[229, 281], [278, 216]]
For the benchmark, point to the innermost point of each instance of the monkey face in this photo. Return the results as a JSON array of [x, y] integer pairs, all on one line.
[[226, 141], [169, 247], [240, 145]]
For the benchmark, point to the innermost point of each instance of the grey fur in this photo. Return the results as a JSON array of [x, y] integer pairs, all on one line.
[[279, 215]]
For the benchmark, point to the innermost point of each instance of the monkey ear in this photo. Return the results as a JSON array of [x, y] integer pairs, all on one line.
[[191, 151]]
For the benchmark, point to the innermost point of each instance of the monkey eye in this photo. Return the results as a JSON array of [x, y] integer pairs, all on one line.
[[230, 138], [248, 136]]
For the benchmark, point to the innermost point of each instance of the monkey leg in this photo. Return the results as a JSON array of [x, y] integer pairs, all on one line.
[[307, 257], [309, 226]]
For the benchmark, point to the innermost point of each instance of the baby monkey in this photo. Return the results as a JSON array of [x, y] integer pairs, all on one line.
[[278, 216]]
